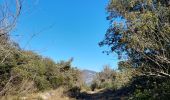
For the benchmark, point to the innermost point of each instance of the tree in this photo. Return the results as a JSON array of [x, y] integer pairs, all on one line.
[[104, 79], [9, 15], [8, 20], [144, 36]]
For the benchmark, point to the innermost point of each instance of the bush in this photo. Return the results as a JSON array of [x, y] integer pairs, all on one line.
[[151, 88], [56, 81], [42, 84], [20, 66], [74, 92], [139, 95], [93, 86], [107, 85]]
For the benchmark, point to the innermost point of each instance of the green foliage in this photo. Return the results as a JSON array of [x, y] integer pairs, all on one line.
[[123, 78], [85, 87], [74, 91], [93, 86], [156, 93], [142, 37], [139, 95], [104, 79], [109, 78], [56, 81], [107, 85], [42, 84], [20, 65], [150, 88]]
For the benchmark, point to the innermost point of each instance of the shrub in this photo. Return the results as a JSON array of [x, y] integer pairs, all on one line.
[[56, 81], [42, 84], [93, 86], [74, 92], [139, 95]]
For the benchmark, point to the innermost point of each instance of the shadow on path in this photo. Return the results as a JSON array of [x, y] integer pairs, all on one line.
[[106, 94]]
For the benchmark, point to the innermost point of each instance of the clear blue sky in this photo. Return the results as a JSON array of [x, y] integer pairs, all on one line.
[[77, 27]]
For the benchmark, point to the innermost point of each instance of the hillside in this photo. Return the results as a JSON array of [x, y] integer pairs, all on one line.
[[88, 76]]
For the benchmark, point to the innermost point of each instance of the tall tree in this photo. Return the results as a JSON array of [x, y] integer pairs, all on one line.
[[144, 36]]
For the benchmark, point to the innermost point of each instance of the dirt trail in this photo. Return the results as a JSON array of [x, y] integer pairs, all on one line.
[[106, 94]]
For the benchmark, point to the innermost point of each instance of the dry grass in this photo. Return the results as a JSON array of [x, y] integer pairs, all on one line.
[[48, 95]]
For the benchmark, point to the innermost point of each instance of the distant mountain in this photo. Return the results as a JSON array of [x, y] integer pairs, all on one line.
[[88, 76]]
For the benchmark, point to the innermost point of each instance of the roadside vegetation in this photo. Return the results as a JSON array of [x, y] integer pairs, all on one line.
[[25, 72], [142, 41]]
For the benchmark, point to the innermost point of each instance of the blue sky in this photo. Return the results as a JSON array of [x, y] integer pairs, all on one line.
[[65, 29]]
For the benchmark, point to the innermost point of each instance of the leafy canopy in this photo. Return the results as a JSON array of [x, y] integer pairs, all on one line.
[[145, 36]]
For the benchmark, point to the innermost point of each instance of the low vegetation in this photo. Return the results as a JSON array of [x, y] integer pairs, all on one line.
[[25, 71], [112, 79]]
